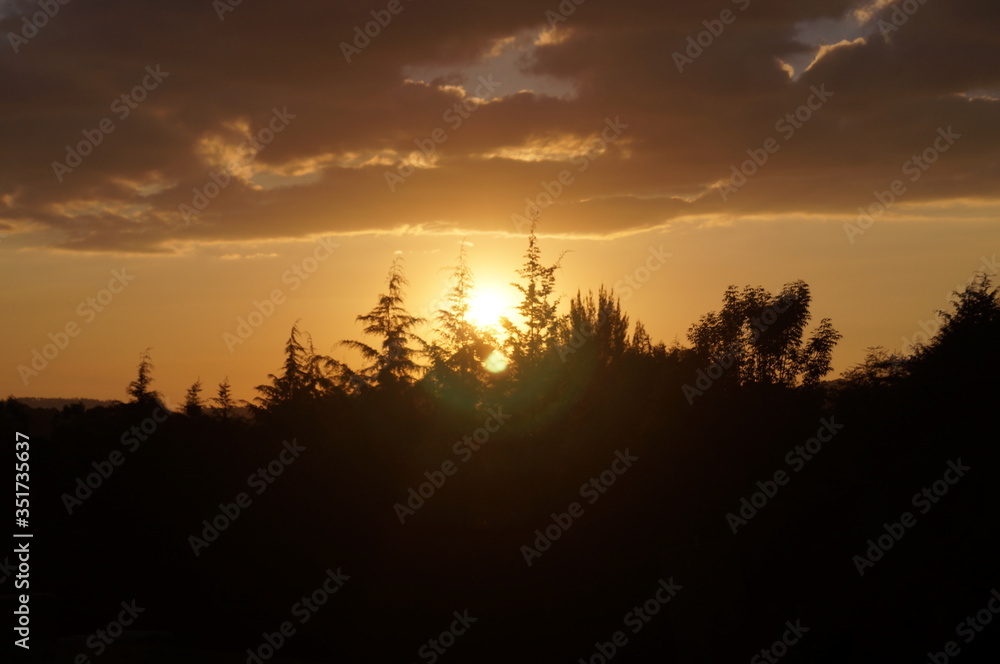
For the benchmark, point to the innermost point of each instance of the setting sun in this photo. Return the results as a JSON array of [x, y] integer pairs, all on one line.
[[488, 305]]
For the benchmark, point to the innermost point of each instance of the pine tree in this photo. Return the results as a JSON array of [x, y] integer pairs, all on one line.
[[458, 354], [224, 403], [193, 405], [641, 343], [597, 329], [139, 389], [528, 346], [303, 380], [393, 364]]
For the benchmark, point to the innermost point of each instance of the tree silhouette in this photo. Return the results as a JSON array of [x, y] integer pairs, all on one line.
[[527, 347], [224, 404], [193, 406], [641, 343], [879, 368], [967, 338], [759, 336], [458, 352], [393, 364], [139, 389], [597, 329], [303, 379]]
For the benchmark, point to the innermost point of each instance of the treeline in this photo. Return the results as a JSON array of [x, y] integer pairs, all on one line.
[[119, 493], [756, 339]]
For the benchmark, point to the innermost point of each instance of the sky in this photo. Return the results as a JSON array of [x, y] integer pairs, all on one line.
[[169, 169]]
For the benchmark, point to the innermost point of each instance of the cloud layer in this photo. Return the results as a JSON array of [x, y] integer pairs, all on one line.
[[214, 122]]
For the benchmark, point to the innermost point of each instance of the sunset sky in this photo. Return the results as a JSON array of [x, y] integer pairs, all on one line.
[[199, 156]]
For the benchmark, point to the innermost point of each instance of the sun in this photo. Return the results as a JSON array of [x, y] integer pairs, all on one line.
[[487, 306]]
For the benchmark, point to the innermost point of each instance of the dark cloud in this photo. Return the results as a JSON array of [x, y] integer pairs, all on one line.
[[353, 122]]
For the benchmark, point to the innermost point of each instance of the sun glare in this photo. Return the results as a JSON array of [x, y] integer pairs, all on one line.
[[496, 362], [488, 306]]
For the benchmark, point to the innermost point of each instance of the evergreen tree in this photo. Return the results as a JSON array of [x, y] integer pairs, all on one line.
[[303, 379], [541, 325], [393, 364], [597, 329], [224, 403], [139, 389], [193, 405], [457, 356]]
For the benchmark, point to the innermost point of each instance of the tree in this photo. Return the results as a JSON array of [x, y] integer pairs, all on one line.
[[541, 332], [393, 364], [879, 368], [598, 329], [139, 389], [758, 337], [193, 406], [641, 343], [224, 404], [967, 338], [457, 355], [302, 380]]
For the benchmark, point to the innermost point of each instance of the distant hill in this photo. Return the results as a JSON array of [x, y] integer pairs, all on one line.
[[46, 402], [42, 403]]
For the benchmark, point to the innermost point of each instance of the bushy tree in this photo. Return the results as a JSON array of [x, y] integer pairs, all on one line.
[[967, 338], [879, 368], [760, 337], [595, 329]]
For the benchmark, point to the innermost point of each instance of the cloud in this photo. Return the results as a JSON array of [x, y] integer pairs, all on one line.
[[325, 172]]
